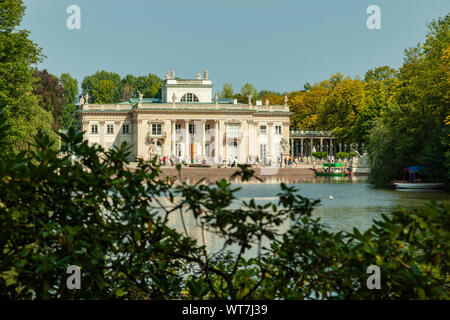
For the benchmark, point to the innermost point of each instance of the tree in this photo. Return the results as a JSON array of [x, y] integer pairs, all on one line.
[[113, 222], [104, 92], [70, 86], [50, 93], [18, 54], [414, 127], [342, 107], [91, 85], [149, 86], [383, 73], [248, 90], [307, 86], [274, 99], [227, 91], [263, 93]]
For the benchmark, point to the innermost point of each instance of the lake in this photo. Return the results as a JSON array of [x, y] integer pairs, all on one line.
[[344, 203]]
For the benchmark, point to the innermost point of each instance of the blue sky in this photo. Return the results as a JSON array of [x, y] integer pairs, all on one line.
[[273, 44]]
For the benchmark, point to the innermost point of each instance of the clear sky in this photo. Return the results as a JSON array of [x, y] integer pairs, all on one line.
[[273, 44]]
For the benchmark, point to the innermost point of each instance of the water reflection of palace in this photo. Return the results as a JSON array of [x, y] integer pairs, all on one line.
[[285, 179]]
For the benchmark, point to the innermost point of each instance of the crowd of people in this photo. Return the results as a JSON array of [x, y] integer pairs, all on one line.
[[254, 161]]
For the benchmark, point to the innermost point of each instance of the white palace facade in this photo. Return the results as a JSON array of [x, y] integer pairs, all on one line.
[[189, 124]]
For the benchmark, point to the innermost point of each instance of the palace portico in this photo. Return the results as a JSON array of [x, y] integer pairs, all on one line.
[[305, 142], [189, 124]]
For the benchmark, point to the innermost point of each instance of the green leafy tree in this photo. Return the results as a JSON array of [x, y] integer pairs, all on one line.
[[412, 130], [342, 107], [91, 84], [18, 54], [227, 91], [248, 90], [70, 86], [50, 93], [149, 86], [104, 92]]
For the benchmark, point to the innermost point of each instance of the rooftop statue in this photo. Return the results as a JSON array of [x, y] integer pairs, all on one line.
[[206, 74], [285, 99], [216, 97], [174, 97], [267, 102], [141, 96], [81, 100], [86, 97], [199, 76], [249, 99]]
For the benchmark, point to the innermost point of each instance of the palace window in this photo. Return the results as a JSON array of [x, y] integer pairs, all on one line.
[[178, 128], [109, 128], [126, 129], [207, 127], [263, 130], [192, 129], [156, 129], [277, 129], [189, 97], [277, 149], [94, 128], [233, 130], [262, 152]]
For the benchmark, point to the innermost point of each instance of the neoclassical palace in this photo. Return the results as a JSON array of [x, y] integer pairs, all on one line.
[[189, 123]]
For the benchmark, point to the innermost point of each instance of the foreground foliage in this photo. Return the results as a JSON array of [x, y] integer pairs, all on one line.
[[114, 223]]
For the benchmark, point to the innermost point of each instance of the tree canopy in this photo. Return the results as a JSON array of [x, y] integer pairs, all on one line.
[[70, 86], [51, 97], [18, 54]]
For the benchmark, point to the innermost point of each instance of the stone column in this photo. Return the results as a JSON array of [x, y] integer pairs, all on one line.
[[225, 149], [220, 139], [250, 138], [102, 133], [142, 131], [216, 141], [247, 142], [330, 146], [203, 139], [269, 147], [291, 144], [173, 140], [187, 147], [311, 146], [301, 146], [321, 144]]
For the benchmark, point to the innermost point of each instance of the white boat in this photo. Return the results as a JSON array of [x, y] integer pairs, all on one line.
[[408, 185]]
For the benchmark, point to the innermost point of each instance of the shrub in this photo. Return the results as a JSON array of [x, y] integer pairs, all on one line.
[[320, 155], [113, 222], [342, 155]]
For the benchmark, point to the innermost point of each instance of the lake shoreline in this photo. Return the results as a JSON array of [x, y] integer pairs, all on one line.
[[266, 174]]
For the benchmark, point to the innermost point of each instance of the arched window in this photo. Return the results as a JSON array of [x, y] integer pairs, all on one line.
[[189, 97]]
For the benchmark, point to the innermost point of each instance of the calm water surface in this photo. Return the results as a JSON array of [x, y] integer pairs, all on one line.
[[344, 204], [347, 204]]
